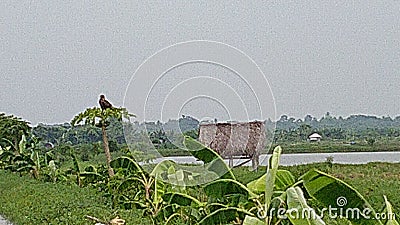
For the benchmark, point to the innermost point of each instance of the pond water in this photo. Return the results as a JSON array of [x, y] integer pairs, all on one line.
[[306, 158]]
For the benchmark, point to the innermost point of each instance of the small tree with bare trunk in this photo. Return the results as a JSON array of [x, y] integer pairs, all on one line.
[[98, 117]]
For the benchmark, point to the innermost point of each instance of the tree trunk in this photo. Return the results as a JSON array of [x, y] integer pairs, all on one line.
[[107, 150], [16, 147], [255, 161]]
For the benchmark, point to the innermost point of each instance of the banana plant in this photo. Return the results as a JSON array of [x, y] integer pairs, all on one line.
[[5, 156], [281, 193], [164, 195], [11, 130], [332, 192], [88, 175], [160, 200], [137, 187], [24, 158]]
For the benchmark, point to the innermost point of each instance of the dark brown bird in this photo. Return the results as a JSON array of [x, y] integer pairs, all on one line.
[[104, 104]]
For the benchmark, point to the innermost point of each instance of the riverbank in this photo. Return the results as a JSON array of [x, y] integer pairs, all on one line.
[[24, 200]]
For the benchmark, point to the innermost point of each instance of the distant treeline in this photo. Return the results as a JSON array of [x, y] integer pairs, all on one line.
[[86, 134], [354, 127], [287, 128]]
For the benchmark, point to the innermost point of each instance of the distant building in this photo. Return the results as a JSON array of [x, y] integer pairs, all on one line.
[[49, 145], [314, 137]]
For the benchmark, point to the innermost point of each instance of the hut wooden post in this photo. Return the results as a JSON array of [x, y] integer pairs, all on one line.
[[231, 161], [255, 161]]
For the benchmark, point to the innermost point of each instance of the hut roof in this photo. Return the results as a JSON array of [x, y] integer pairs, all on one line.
[[229, 123]]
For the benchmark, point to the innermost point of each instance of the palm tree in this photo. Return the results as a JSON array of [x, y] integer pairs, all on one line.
[[97, 117]]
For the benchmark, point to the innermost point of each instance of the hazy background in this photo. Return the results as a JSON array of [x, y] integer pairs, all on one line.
[[56, 57]]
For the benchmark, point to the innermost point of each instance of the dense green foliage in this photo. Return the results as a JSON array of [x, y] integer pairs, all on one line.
[[11, 130], [354, 133]]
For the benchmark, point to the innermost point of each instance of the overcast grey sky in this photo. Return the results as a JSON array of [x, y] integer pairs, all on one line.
[[56, 57]]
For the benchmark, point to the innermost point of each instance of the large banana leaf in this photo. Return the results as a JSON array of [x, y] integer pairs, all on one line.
[[334, 193], [199, 151], [283, 180], [182, 175], [251, 220], [224, 216], [391, 218], [76, 168], [299, 213], [181, 199], [22, 145], [213, 161], [126, 184], [163, 168], [223, 187], [125, 163], [271, 175], [90, 177]]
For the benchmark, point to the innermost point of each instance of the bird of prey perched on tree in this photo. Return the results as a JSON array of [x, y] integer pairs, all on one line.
[[104, 104]]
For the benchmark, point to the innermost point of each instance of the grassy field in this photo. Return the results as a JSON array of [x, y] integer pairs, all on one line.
[[24, 200], [27, 201], [339, 146]]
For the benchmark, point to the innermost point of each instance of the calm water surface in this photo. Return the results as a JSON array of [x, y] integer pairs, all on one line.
[[306, 158]]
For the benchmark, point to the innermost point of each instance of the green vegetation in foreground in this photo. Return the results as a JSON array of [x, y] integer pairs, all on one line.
[[372, 180], [24, 200]]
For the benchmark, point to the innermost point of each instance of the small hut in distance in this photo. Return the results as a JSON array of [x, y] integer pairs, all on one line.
[[235, 139], [315, 137]]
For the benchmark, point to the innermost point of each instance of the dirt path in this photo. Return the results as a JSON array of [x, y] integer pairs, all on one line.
[[4, 222]]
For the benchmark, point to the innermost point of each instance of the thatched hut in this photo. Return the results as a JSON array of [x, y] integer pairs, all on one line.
[[235, 140]]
